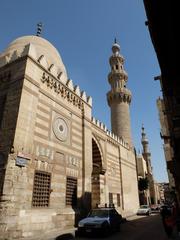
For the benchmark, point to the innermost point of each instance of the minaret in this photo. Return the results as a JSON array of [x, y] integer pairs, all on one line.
[[147, 156], [146, 153], [119, 97]]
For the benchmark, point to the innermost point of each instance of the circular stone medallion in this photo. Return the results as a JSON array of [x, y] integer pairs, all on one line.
[[60, 129]]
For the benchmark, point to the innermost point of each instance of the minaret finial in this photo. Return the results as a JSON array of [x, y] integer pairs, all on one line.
[[115, 47], [39, 29]]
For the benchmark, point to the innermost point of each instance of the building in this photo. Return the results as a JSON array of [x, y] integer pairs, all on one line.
[[144, 195], [165, 192], [168, 150], [56, 160], [162, 22], [144, 170]]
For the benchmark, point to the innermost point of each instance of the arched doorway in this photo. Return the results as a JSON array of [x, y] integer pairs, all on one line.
[[97, 178]]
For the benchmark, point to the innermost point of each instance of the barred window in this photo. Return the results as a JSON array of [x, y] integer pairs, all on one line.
[[110, 198], [41, 189], [71, 191], [118, 200]]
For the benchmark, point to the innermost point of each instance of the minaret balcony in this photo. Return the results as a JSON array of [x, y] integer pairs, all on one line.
[[117, 75], [118, 97], [114, 59]]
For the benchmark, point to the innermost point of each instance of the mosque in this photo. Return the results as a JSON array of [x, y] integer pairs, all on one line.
[[56, 160]]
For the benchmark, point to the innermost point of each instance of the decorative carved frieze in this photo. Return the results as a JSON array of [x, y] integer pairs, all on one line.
[[44, 152], [64, 92], [72, 161]]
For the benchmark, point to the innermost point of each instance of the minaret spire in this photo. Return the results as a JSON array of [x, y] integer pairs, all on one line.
[[119, 97], [39, 29]]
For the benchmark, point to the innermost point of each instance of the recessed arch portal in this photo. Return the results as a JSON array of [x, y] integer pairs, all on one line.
[[97, 176], [96, 155]]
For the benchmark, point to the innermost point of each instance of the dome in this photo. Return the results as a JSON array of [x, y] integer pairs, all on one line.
[[39, 46]]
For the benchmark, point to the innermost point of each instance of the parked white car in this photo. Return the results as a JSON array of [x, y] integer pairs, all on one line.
[[144, 210], [100, 220]]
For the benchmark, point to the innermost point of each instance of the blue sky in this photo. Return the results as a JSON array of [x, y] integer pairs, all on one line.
[[83, 32]]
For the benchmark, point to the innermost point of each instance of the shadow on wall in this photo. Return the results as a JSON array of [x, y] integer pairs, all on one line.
[[82, 207], [2, 172]]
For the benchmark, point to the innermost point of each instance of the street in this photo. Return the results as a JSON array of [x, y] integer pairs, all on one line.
[[139, 228]]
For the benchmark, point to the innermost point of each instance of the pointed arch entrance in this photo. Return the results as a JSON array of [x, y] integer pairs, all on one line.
[[97, 178]]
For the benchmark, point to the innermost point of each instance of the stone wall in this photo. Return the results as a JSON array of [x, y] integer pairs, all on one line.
[[38, 141], [120, 170]]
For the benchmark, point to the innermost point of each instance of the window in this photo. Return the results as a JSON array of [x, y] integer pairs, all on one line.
[[116, 67], [41, 189], [71, 191], [118, 200], [110, 198]]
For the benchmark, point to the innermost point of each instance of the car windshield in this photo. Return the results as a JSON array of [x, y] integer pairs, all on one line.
[[98, 213], [144, 206]]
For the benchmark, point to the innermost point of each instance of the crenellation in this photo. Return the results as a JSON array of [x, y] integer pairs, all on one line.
[[101, 125], [97, 122], [59, 73], [89, 100], [29, 50], [4, 60], [42, 60], [83, 96], [93, 120], [15, 55], [77, 90], [70, 84]]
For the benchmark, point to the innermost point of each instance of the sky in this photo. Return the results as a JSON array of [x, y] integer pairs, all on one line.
[[83, 32]]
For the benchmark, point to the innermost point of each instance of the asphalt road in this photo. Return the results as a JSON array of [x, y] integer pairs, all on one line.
[[140, 228]]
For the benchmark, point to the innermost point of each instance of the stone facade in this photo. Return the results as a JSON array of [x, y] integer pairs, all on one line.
[[56, 160], [165, 135]]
